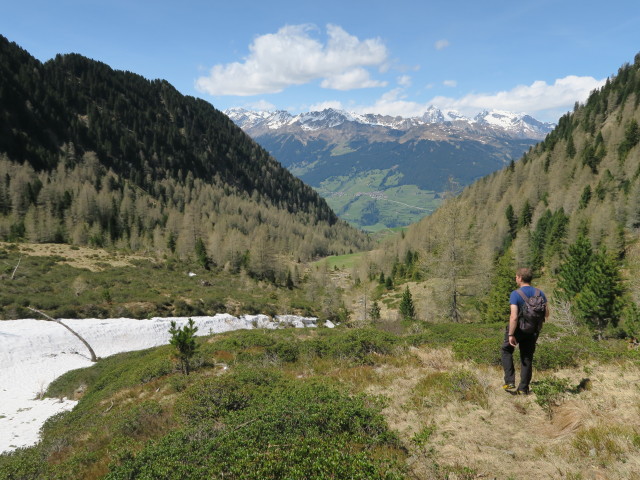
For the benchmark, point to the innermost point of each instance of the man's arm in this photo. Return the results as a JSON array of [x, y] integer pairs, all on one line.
[[513, 324]]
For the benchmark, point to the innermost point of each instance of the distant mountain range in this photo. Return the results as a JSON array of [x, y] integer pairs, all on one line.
[[380, 171], [518, 125]]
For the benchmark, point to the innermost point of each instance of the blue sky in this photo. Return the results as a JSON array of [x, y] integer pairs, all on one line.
[[392, 57]]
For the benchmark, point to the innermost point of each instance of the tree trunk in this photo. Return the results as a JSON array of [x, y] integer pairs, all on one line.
[[93, 354]]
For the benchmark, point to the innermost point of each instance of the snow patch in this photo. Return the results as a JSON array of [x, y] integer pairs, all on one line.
[[33, 353]]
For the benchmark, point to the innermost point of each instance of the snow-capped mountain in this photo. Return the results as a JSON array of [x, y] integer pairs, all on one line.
[[523, 124], [338, 152], [516, 124]]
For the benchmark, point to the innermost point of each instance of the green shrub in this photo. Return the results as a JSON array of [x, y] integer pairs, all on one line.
[[422, 437], [136, 421], [358, 345], [445, 334], [285, 351], [439, 388], [485, 350], [24, 464], [550, 391], [269, 427], [210, 398]]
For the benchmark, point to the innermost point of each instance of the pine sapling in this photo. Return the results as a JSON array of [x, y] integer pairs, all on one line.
[[183, 339]]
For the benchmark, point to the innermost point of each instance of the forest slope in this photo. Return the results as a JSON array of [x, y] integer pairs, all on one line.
[[582, 181], [89, 155]]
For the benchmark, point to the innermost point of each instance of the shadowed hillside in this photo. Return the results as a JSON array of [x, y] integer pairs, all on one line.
[[89, 155]]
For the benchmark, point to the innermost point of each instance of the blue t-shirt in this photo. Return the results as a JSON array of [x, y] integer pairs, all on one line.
[[529, 291]]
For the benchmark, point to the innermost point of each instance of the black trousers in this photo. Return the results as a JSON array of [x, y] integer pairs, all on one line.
[[527, 346]]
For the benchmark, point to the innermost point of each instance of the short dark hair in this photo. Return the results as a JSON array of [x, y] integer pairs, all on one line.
[[525, 274]]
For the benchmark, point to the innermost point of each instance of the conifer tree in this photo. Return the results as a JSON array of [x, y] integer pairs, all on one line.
[[171, 242], [593, 283], [407, 309], [374, 313], [571, 148], [599, 303], [388, 283], [631, 139], [183, 338], [572, 273], [201, 254], [630, 324], [526, 215], [585, 198], [502, 284], [512, 222]]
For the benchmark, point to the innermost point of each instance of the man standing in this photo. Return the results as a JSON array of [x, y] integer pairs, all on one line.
[[516, 333]]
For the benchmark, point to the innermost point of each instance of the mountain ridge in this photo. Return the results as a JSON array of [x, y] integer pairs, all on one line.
[[519, 125], [380, 171]]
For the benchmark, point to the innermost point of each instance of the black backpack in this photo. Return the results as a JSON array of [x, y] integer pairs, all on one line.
[[532, 313]]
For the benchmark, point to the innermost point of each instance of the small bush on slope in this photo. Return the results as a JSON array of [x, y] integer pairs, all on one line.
[[257, 424]]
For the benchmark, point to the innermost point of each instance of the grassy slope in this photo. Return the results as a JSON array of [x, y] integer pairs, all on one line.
[[440, 385], [374, 201], [438, 389], [76, 282]]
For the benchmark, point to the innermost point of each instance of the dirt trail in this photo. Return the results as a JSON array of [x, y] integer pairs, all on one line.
[[589, 435]]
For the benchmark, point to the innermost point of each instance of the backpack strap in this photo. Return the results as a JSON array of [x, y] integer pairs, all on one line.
[[524, 297]]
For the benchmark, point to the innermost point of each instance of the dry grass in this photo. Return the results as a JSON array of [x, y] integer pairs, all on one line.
[[93, 259], [592, 434]]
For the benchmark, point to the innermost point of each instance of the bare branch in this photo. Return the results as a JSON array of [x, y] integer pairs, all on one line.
[[86, 344], [16, 269]]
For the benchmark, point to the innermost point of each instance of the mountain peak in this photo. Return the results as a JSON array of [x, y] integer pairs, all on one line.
[[516, 124]]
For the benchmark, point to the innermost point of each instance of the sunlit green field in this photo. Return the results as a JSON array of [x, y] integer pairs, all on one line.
[[341, 262], [374, 201]]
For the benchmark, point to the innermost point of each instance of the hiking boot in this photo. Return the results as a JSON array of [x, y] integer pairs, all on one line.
[[522, 392], [508, 386]]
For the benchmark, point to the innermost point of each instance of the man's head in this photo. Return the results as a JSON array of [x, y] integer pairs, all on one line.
[[525, 275]]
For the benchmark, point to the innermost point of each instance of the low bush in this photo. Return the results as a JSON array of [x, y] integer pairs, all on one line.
[[269, 427], [357, 345], [439, 388], [550, 392], [484, 350]]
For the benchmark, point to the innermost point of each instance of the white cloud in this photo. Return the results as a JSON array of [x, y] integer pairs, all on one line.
[[351, 79], [544, 101], [318, 107], [292, 57], [450, 83], [261, 105], [537, 97], [393, 103], [404, 81], [442, 44]]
